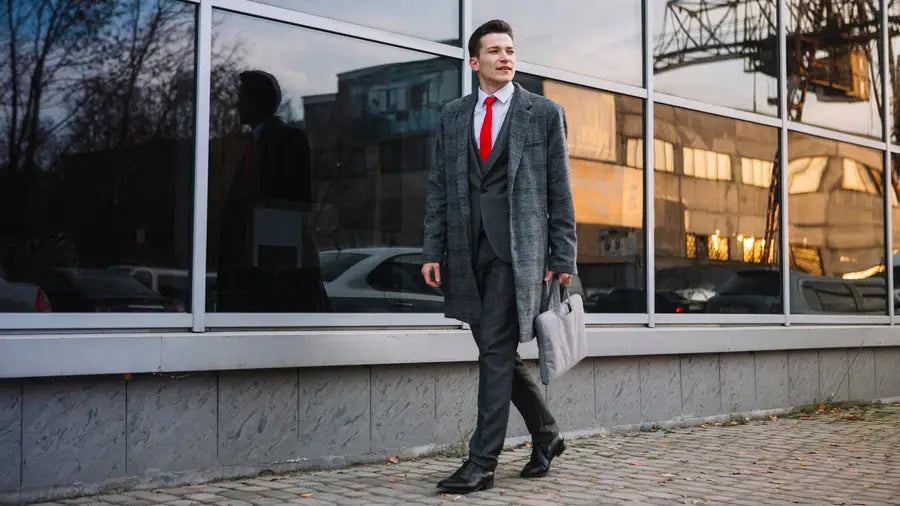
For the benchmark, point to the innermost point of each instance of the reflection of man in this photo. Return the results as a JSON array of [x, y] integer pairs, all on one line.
[[268, 259], [499, 220]]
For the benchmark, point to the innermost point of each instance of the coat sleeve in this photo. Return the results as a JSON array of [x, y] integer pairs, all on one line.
[[435, 237], [560, 205]]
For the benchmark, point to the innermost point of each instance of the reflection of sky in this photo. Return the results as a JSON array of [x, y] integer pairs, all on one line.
[[304, 61], [432, 19], [59, 85], [595, 38], [721, 83], [601, 39], [726, 83]]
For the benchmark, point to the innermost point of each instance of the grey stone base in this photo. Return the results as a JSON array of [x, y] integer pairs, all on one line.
[[73, 435]]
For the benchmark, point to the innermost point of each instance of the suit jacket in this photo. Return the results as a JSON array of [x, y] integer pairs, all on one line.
[[488, 194], [541, 209]]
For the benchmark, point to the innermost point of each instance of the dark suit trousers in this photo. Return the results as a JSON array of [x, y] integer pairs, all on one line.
[[502, 375]]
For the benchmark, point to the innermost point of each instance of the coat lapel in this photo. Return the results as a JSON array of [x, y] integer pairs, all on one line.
[[463, 129], [520, 117]]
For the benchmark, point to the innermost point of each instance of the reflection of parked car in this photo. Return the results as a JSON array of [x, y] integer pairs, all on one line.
[[376, 280], [759, 291], [634, 300], [694, 284], [172, 283], [89, 290], [22, 298]]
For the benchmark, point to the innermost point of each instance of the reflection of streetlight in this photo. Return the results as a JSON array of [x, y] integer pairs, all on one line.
[[865, 273]]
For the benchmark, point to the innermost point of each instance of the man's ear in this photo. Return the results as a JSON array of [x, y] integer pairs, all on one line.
[[473, 63]]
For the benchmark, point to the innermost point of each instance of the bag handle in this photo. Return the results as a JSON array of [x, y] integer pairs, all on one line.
[[556, 296]]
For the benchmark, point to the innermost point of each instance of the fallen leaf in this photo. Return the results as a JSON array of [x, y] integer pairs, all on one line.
[[528, 445], [308, 494], [393, 460], [865, 438]]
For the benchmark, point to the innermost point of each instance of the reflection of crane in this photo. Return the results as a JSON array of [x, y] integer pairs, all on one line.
[[828, 46]]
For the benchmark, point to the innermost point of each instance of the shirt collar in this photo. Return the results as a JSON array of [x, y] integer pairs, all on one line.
[[504, 94]]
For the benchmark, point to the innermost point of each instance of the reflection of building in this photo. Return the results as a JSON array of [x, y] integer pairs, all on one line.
[[372, 143], [712, 192], [836, 207], [608, 194]]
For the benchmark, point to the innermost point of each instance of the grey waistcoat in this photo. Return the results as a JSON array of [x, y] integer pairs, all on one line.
[[488, 193]]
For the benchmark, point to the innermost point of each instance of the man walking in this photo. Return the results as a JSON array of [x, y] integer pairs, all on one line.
[[500, 221]]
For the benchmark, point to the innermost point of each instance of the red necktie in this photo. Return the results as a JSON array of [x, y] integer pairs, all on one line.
[[486, 129]]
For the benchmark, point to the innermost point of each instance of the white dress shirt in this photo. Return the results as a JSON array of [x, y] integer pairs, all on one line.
[[498, 112]]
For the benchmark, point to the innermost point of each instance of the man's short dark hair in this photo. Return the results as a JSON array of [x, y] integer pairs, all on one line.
[[263, 87], [492, 26]]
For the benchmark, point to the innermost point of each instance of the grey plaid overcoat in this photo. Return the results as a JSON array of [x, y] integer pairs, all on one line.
[[542, 214]]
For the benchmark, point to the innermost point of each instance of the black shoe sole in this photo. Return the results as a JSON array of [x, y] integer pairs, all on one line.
[[484, 485]]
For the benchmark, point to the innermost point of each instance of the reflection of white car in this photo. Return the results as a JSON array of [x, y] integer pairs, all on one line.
[[22, 298], [378, 280], [174, 283]]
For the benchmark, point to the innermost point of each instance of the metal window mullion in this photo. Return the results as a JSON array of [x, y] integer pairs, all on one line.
[[302, 19], [94, 321], [782, 162], [201, 164], [649, 188], [835, 135], [466, 27], [887, 169], [718, 110], [581, 79]]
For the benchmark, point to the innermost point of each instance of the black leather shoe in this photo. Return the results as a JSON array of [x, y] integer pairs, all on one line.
[[541, 455], [470, 477]]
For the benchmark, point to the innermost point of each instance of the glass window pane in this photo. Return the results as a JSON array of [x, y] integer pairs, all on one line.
[[601, 39], [609, 194], [310, 199], [718, 52], [635, 153], [836, 228], [833, 68], [436, 20], [96, 186], [724, 166], [716, 235], [895, 223], [670, 157]]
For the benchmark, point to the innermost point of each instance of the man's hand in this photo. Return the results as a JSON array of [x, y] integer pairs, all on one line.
[[432, 274], [564, 278]]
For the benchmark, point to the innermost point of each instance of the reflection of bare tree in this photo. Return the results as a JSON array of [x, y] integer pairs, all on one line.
[[90, 76], [45, 40], [138, 85]]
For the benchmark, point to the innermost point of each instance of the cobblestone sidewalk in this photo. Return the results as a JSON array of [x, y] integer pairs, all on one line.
[[835, 456]]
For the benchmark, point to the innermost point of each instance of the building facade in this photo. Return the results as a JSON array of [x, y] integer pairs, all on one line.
[[188, 293]]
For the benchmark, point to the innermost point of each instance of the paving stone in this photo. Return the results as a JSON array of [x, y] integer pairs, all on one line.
[[824, 459]]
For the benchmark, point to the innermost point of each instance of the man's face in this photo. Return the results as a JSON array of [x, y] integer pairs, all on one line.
[[496, 60]]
